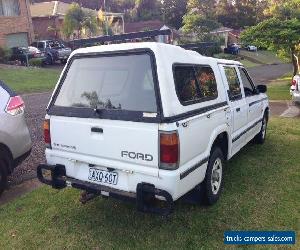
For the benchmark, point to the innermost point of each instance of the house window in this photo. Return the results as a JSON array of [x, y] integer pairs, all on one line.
[[9, 8]]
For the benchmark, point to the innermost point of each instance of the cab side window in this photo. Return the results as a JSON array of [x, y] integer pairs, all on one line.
[[247, 83], [235, 92]]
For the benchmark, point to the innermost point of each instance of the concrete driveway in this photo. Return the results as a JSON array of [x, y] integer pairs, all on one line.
[[265, 73]]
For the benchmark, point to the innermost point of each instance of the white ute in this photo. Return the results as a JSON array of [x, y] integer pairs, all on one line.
[[149, 121]]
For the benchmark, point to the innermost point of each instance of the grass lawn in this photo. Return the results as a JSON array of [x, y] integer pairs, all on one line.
[[280, 89], [26, 80], [262, 56], [248, 64], [261, 193]]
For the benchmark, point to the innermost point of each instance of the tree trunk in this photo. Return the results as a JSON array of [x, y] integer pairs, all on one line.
[[295, 61]]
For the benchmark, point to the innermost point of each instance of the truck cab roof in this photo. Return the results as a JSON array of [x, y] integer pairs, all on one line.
[[166, 57], [172, 51]]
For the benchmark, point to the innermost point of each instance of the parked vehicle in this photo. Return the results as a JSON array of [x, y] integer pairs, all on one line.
[[15, 142], [157, 127], [252, 48], [24, 54], [54, 50], [233, 49], [295, 88]]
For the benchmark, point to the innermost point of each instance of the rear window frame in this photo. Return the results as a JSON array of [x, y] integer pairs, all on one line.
[[124, 115]]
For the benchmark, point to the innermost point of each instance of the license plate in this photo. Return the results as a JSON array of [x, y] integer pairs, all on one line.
[[103, 176]]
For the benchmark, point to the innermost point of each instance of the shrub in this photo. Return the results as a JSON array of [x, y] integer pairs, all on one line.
[[36, 62], [5, 54]]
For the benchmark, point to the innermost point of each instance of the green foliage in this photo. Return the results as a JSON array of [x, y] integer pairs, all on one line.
[[146, 10], [36, 62], [79, 20], [283, 9], [5, 54], [173, 12], [120, 5], [199, 25], [278, 35], [240, 13], [105, 23]]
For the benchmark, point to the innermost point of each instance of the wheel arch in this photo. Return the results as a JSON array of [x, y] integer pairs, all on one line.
[[222, 141], [9, 159]]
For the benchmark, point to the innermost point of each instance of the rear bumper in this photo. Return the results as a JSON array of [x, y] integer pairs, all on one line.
[[143, 197], [296, 95]]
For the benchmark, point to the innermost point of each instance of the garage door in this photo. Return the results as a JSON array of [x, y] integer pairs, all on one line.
[[17, 40]]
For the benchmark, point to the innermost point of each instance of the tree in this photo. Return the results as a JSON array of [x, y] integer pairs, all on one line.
[[146, 10], [105, 23], [281, 36], [78, 20], [283, 9], [240, 13], [173, 12], [120, 5], [200, 19], [203, 7], [226, 13]]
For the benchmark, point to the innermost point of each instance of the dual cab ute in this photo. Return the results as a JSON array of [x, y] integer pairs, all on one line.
[[149, 121]]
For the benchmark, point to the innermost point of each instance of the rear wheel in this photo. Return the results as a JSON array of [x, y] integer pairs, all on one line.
[[213, 182], [49, 60], [3, 176]]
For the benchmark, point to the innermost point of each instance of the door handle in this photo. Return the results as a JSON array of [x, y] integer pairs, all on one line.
[[238, 109], [97, 130]]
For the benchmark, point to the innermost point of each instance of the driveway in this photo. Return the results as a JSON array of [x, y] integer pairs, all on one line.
[[35, 113], [265, 73]]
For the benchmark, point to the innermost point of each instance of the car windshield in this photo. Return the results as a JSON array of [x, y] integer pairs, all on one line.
[[123, 82]]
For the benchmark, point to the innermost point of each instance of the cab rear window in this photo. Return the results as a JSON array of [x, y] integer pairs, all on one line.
[[119, 82]]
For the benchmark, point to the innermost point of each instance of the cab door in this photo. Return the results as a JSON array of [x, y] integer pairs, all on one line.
[[238, 105], [255, 106]]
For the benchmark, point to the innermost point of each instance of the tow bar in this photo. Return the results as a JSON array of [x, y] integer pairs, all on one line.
[[145, 197]]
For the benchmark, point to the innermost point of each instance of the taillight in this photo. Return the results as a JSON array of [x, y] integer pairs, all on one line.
[[15, 105], [169, 150], [294, 82], [47, 137]]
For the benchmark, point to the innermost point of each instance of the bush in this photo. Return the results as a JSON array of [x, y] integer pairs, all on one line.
[[227, 56], [5, 54], [36, 62]]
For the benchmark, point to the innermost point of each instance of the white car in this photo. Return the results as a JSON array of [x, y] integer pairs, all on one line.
[[149, 121], [295, 88], [251, 48], [15, 141]]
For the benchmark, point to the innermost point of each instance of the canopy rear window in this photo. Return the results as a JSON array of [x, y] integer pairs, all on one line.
[[115, 82]]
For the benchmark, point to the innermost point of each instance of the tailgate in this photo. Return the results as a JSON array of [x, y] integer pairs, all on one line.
[[123, 141]]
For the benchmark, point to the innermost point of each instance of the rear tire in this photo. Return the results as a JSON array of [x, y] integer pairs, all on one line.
[[49, 60], [261, 136], [3, 176], [213, 182]]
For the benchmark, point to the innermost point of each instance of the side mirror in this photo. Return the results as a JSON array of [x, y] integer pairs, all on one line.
[[262, 88]]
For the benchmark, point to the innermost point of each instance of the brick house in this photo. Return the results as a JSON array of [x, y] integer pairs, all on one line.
[[15, 23], [48, 18], [90, 4]]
